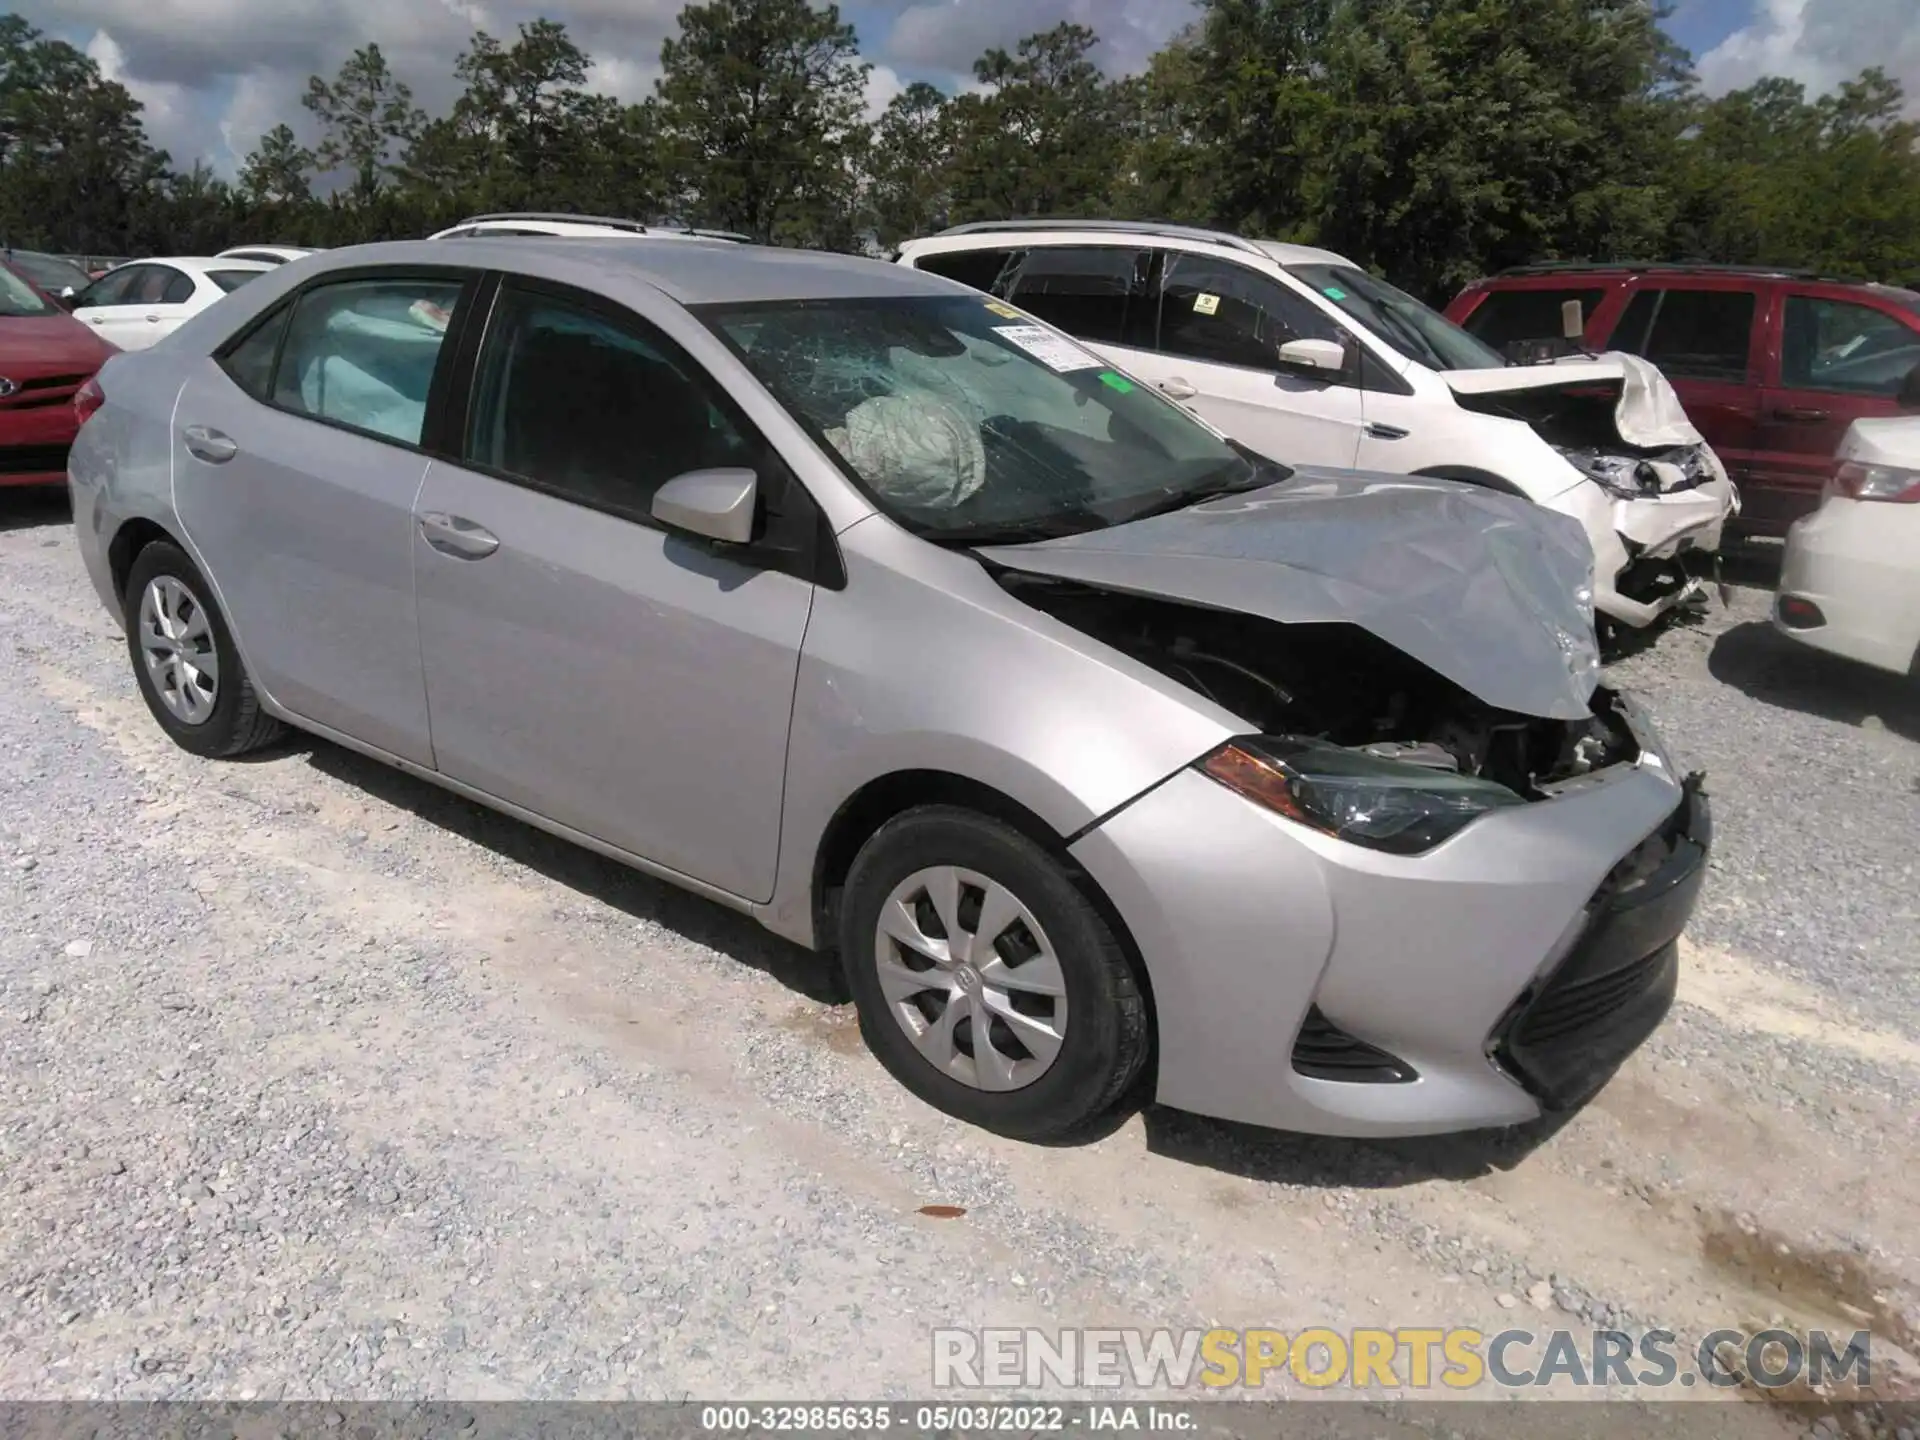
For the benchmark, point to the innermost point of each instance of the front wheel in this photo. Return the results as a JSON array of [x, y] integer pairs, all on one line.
[[185, 661], [986, 982]]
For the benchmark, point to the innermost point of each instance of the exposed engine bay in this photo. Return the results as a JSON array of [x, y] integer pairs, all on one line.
[[1337, 683], [1581, 423]]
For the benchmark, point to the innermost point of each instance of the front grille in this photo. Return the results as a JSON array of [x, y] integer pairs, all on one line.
[[1323, 1051], [1568, 1008], [32, 459], [43, 390]]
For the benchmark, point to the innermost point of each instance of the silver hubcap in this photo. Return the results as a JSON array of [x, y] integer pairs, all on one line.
[[972, 978], [176, 642]]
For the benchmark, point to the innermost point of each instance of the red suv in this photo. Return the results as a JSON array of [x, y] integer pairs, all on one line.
[[1772, 365]]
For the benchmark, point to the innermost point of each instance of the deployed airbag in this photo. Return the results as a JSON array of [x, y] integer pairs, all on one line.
[[1488, 590]]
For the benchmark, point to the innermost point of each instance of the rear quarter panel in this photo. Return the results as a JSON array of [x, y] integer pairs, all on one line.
[[121, 466]]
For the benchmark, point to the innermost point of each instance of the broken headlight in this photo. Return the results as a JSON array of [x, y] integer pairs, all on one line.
[[1633, 477], [1363, 799]]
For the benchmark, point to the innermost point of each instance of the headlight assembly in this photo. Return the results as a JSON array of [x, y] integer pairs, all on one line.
[[1382, 804]]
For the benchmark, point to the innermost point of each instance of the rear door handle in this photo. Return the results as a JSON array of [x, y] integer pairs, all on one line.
[[153, 319], [1385, 432], [1799, 415], [209, 444], [1177, 389], [457, 536]]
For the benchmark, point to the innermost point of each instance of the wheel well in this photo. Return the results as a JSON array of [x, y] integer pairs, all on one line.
[[878, 801], [128, 541], [1468, 475]]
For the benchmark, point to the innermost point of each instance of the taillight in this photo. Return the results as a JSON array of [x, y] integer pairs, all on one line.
[[87, 399], [1860, 481]]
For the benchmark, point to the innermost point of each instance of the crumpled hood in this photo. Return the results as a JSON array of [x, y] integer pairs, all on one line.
[[1488, 590], [1647, 411]]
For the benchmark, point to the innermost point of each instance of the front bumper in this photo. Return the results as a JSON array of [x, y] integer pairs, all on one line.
[[1267, 945], [1645, 548], [33, 443]]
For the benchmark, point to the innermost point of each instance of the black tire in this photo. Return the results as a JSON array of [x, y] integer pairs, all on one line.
[[236, 723], [1106, 1038]]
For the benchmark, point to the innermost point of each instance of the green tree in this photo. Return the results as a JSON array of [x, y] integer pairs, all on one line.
[[367, 116], [1046, 137], [762, 104], [908, 167], [277, 169]]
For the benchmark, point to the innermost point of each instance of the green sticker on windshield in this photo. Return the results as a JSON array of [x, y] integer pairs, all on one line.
[[1334, 292], [1116, 382]]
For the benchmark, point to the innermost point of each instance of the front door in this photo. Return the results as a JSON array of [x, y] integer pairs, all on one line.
[[149, 303], [296, 483], [582, 662], [1221, 328]]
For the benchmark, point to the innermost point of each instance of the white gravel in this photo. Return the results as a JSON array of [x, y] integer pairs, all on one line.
[[318, 1083]]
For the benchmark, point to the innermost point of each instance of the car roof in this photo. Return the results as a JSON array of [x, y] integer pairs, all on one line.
[[1007, 234], [691, 271], [1290, 254]]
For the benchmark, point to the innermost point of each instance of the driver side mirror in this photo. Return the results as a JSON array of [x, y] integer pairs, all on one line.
[[68, 298], [714, 504], [1316, 359]]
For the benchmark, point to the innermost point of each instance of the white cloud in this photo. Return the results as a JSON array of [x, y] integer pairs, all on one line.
[[624, 79], [1819, 43], [167, 109], [883, 83]]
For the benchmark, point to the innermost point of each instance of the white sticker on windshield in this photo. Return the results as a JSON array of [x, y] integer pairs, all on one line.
[[1206, 304], [1054, 351]]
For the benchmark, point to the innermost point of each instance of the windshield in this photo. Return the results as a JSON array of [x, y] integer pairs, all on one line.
[[18, 299], [968, 424], [49, 272], [1416, 331]]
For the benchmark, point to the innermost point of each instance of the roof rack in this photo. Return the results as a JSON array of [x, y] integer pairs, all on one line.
[[557, 215], [1165, 228], [1685, 267]]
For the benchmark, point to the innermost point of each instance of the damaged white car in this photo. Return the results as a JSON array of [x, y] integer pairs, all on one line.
[[1303, 356]]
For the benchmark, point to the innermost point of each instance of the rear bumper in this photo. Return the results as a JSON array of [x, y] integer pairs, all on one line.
[[1852, 560]]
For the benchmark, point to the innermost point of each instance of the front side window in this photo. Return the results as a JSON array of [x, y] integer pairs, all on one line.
[[1693, 334], [1218, 311], [18, 299], [1516, 317], [968, 427], [1417, 331], [361, 353], [1094, 292], [599, 410], [1837, 345]]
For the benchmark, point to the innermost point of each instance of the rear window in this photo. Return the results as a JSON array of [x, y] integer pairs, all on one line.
[[1514, 317], [232, 280], [1087, 291]]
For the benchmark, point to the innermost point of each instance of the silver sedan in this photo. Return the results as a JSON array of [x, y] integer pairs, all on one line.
[[1116, 761]]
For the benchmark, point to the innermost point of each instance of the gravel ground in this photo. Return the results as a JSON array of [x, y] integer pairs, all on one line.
[[322, 1084]]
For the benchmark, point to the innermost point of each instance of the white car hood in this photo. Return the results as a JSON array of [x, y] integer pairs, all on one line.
[[1885, 440], [1648, 413]]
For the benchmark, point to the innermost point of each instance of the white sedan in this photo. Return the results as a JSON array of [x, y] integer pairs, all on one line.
[[135, 305], [1850, 582]]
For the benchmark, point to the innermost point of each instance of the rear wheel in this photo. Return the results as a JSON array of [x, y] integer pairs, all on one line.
[[986, 982], [184, 658]]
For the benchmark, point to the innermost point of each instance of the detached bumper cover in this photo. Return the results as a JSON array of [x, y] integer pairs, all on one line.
[[1568, 1035]]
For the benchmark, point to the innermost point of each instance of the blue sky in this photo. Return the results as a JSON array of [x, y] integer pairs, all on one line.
[[215, 73]]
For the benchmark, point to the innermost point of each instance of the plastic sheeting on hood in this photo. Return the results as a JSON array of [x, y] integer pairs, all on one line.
[[1488, 590]]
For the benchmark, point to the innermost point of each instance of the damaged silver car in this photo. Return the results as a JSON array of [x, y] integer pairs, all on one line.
[[1115, 761]]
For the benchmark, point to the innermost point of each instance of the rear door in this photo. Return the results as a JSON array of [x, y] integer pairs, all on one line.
[[1705, 333], [582, 662], [1837, 360], [1221, 326], [108, 307], [298, 452]]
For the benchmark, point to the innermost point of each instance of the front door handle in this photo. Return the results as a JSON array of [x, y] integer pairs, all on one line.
[[1799, 415], [1385, 432], [457, 536], [209, 444], [153, 319], [1177, 389]]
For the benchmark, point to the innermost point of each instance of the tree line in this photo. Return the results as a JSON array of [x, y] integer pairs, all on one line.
[[1434, 140]]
